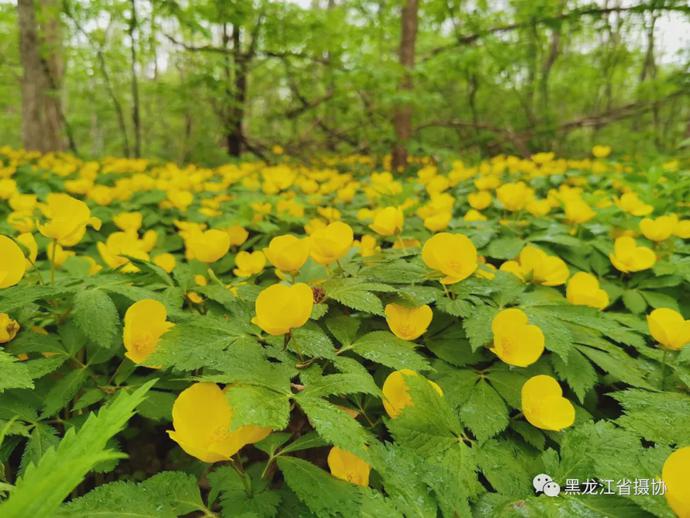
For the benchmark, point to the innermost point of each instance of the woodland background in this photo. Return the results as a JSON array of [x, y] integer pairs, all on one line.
[[202, 80]]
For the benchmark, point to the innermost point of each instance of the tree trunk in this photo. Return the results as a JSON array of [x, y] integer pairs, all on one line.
[[39, 46], [136, 110], [402, 117], [235, 134]]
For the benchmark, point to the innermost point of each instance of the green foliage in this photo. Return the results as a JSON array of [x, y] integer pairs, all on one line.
[[96, 315], [47, 483], [166, 495]]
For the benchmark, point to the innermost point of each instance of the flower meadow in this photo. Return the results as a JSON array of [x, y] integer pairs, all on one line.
[[264, 340]]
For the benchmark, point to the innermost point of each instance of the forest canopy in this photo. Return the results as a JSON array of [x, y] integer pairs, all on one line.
[[196, 81]]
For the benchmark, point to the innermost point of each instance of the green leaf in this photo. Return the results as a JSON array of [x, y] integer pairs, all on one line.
[[343, 327], [335, 426], [243, 495], [484, 412], [354, 294], [387, 349], [660, 300], [429, 426], [322, 493], [400, 474], [42, 438], [259, 406], [343, 383], [64, 390], [13, 374], [97, 317], [165, 495], [478, 326], [578, 373], [662, 417], [505, 247], [500, 462], [20, 296], [46, 484], [634, 301], [312, 341]]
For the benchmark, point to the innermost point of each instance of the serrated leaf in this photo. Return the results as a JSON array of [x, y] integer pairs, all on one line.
[[505, 247], [46, 484], [259, 406], [335, 426], [97, 317], [478, 326], [165, 495], [634, 301], [63, 391], [243, 495], [354, 294], [13, 374], [311, 341], [578, 373], [322, 493], [484, 411], [387, 349]]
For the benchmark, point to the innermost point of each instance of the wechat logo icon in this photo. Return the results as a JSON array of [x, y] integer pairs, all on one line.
[[544, 484]]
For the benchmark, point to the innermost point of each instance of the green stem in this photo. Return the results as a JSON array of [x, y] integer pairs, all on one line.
[[664, 368], [52, 262]]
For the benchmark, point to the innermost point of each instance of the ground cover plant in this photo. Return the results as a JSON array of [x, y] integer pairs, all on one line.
[[282, 340]]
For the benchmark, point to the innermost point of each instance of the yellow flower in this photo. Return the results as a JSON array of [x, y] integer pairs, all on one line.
[[8, 328], [577, 211], [659, 229], [348, 466], [675, 476], [202, 418], [12, 263], [632, 204], [403, 244], [238, 235], [288, 253], [248, 264], [516, 342], [368, 246], [583, 290], [118, 247], [514, 196], [539, 207], [453, 255], [28, 241], [181, 200], [438, 221], [330, 243], [407, 322], [145, 323], [396, 395], [536, 266], [544, 405], [628, 257], [58, 255], [600, 151], [479, 200], [474, 215], [166, 261], [669, 328], [682, 229], [128, 221], [388, 221], [281, 308], [67, 219], [208, 246]]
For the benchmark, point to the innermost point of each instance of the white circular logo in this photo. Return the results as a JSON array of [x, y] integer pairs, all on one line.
[[540, 481], [552, 489]]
